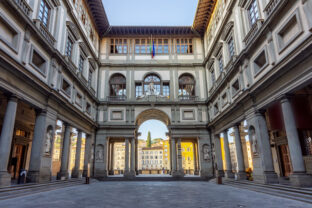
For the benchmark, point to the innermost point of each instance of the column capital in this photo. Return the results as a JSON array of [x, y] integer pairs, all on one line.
[[285, 98], [39, 111], [13, 97]]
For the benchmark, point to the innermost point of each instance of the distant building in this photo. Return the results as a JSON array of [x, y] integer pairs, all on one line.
[[119, 156], [153, 158], [166, 154]]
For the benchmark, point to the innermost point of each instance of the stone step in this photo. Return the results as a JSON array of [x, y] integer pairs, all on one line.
[[300, 190], [290, 194], [153, 179], [32, 185], [37, 188]]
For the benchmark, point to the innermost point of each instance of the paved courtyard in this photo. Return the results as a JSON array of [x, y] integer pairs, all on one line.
[[150, 195]]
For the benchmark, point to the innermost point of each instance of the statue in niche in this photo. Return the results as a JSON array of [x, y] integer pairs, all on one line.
[[48, 142], [99, 153], [254, 145], [206, 152], [92, 152], [151, 89]]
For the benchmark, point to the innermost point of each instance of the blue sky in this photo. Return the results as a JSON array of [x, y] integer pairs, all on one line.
[[150, 12], [157, 128]]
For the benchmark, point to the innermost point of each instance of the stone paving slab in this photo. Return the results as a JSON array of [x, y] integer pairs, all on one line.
[[151, 195]]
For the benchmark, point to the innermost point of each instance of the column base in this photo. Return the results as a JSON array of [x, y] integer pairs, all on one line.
[[33, 176], [229, 174], [241, 175], [129, 174], [206, 174], [76, 174], [5, 179], [178, 174], [62, 175], [300, 180], [267, 178]]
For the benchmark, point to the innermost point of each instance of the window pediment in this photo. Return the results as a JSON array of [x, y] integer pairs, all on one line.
[[84, 48], [73, 29], [227, 29]]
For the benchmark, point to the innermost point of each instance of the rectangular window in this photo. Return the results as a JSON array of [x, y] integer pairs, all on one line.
[[69, 47], [81, 62], [138, 89], [213, 77], [231, 47], [235, 88], [161, 46], [166, 90], [253, 12], [38, 62], [44, 13], [220, 60], [184, 46], [88, 108], [90, 77], [119, 46], [79, 99], [66, 87]]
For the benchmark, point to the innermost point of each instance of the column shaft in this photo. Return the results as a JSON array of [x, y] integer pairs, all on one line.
[[173, 155], [65, 153], [292, 137], [127, 155], [241, 174], [218, 155], [36, 147], [228, 169], [132, 167], [87, 155], [7, 133], [180, 167], [6, 140], [76, 170]]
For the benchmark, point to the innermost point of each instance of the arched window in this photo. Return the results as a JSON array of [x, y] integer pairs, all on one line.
[[186, 86], [151, 84], [118, 86]]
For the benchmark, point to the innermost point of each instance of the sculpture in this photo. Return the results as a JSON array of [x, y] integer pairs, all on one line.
[[99, 153], [254, 145], [48, 141], [206, 151]]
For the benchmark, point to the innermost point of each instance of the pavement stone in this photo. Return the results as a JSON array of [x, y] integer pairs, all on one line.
[[151, 195]]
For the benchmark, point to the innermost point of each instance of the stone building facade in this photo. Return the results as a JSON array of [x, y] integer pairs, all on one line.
[[242, 61]]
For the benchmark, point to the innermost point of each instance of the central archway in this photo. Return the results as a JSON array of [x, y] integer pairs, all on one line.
[[152, 153], [152, 114]]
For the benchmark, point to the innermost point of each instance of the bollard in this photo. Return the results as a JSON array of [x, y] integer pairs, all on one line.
[[219, 180]]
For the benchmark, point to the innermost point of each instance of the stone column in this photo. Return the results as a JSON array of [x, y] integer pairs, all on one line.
[[76, 171], [87, 156], [265, 172], [126, 156], [36, 147], [63, 174], [6, 140], [298, 176], [136, 157], [132, 162], [218, 152], [228, 170], [180, 171], [112, 158], [173, 156], [241, 174], [194, 156]]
